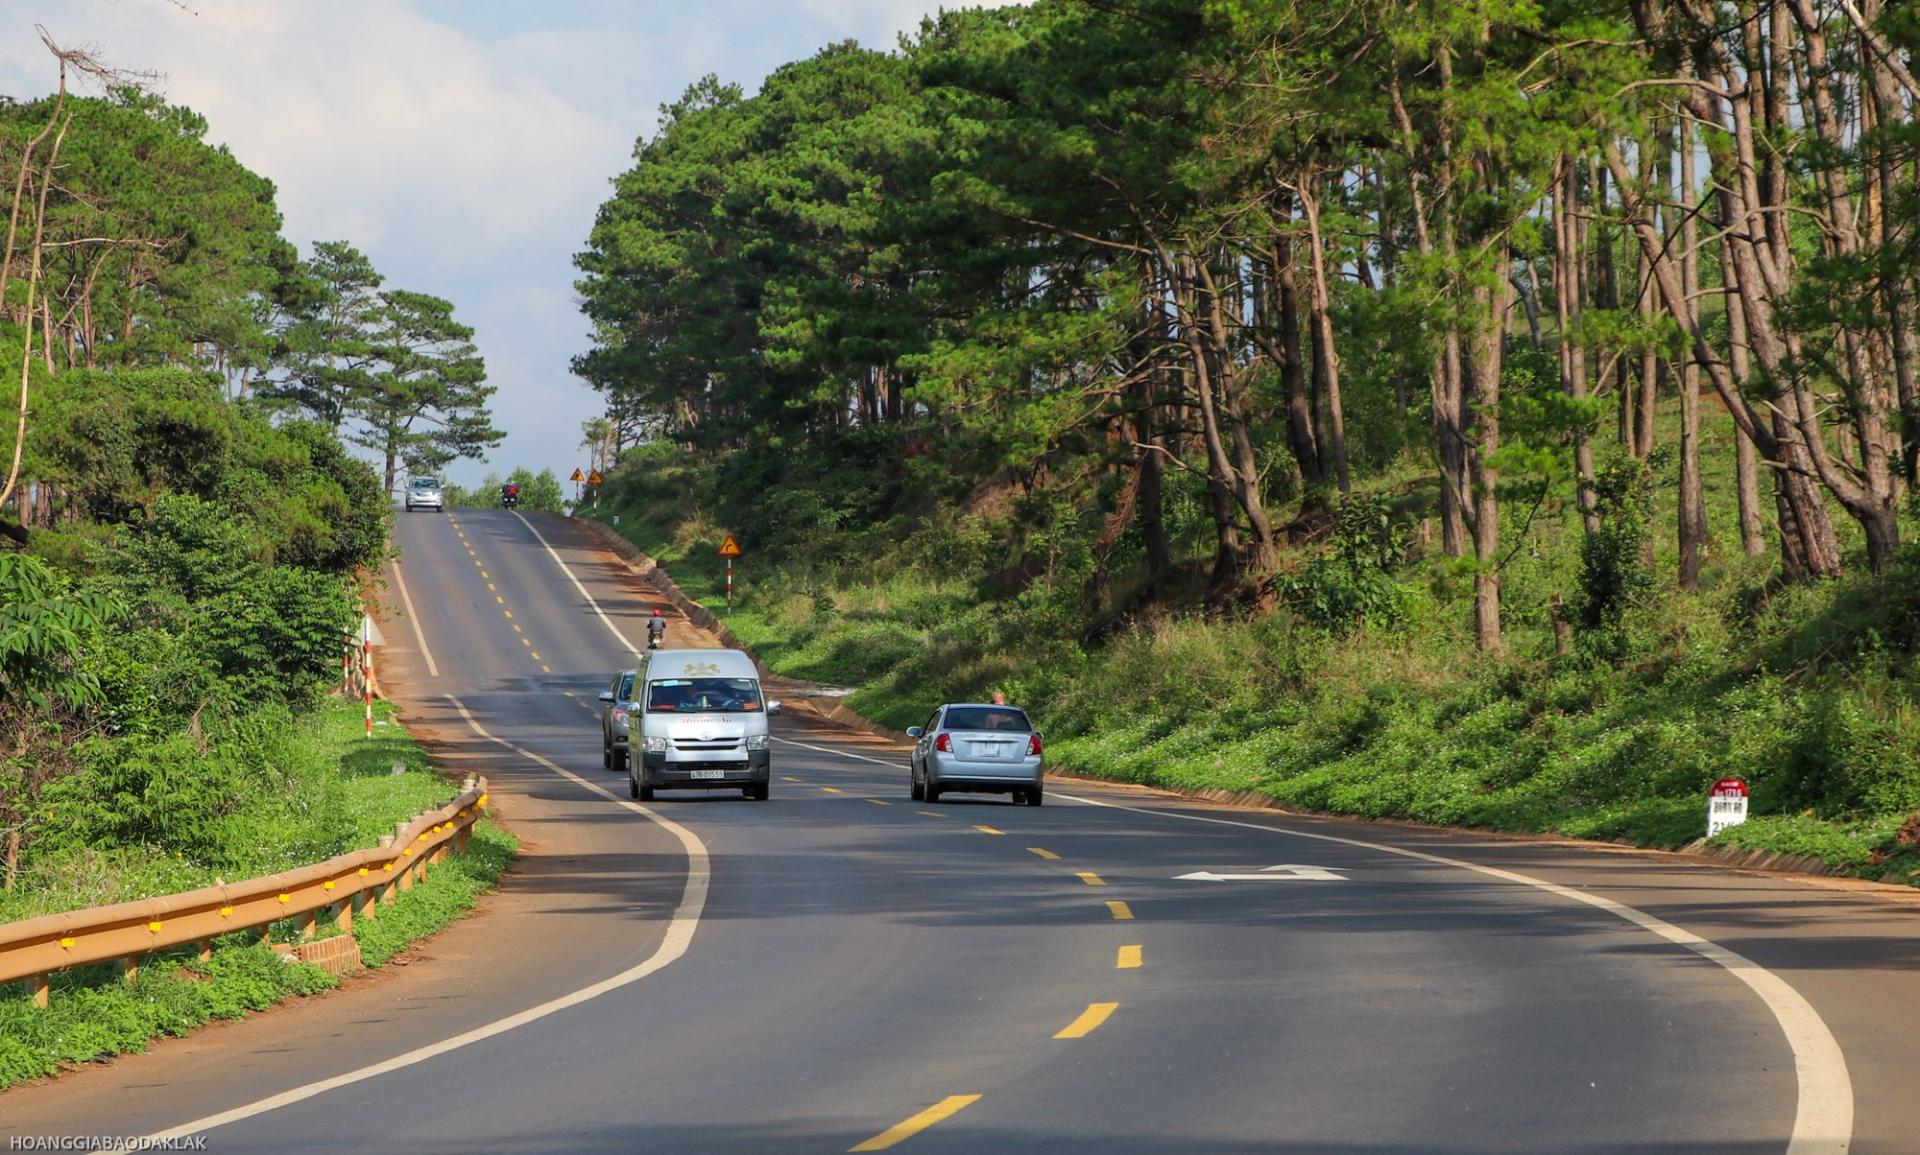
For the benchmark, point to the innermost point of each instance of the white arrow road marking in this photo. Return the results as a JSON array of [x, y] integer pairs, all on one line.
[[1270, 874]]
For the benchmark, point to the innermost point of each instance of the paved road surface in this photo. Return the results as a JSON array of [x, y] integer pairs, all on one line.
[[975, 976]]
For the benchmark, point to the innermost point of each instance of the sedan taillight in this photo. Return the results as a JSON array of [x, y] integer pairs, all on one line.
[[943, 743], [1033, 746]]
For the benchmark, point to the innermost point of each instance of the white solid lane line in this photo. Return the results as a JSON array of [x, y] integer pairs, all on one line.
[[679, 936], [399, 579], [1823, 1118], [605, 620], [896, 764]]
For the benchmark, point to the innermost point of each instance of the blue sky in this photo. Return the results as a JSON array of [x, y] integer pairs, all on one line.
[[462, 144]]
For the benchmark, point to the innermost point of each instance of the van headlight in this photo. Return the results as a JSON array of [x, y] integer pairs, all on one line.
[[654, 745], [756, 741]]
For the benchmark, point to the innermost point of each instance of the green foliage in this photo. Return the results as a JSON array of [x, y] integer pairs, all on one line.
[[44, 627], [93, 1016], [1352, 585], [1615, 572]]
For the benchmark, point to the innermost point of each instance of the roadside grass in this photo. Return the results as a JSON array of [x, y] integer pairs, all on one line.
[[93, 1014], [331, 789], [1809, 692]]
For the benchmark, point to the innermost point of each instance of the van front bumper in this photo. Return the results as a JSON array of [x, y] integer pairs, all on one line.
[[661, 774]]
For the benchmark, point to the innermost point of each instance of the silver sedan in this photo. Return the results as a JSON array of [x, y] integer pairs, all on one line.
[[989, 749]]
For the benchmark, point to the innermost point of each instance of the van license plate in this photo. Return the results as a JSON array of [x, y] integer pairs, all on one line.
[[709, 773]]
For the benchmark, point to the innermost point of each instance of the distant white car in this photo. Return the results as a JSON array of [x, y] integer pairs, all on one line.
[[424, 493]]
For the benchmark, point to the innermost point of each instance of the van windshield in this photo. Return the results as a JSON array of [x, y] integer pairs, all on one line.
[[703, 695]]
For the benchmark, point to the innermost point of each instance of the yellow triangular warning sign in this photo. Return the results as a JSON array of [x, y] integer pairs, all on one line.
[[729, 547], [593, 478], [577, 476]]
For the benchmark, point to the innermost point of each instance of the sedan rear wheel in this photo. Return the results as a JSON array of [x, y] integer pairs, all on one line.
[[606, 754], [1034, 796], [928, 791]]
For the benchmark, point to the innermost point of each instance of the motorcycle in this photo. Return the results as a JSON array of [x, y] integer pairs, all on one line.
[[509, 500]]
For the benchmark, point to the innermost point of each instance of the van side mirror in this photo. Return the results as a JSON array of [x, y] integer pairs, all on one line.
[[915, 732], [606, 695], [773, 708]]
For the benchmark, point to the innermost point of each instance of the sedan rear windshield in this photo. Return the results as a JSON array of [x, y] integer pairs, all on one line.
[[425, 483], [703, 695], [987, 718]]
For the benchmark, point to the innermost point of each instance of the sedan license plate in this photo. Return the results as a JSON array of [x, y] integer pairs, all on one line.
[[709, 773]]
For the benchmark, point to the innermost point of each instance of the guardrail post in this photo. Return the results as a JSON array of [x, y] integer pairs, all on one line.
[[38, 985], [342, 914], [205, 946], [128, 967]]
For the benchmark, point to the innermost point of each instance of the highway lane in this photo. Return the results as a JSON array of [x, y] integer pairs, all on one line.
[[861, 958]]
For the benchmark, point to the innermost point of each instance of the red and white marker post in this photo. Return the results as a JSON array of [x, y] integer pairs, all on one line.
[[1726, 805], [366, 671]]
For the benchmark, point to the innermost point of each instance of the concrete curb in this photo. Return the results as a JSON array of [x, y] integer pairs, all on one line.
[[840, 714]]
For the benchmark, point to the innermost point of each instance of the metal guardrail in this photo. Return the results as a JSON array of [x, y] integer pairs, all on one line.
[[349, 886]]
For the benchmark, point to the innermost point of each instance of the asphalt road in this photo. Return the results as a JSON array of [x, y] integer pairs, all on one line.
[[842, 967]]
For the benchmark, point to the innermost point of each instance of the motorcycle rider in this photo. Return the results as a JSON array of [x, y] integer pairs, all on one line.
[[656, 630]]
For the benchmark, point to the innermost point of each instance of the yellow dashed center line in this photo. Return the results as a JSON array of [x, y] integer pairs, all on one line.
[[499, 599], [988, 830], [509, 614], [535, 655], [545, 669], [1088, 1022], [790, 778], [1120, 911], [1090, 878], [1049, 855], [908, 1128], [483, 573], [490, 588], [525, 641], [930, 813], [1128, 958], [879, 802], [833, 790]]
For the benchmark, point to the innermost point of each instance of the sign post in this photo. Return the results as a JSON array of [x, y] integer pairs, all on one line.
[[593, 481], [1726, 805], [729, 549]]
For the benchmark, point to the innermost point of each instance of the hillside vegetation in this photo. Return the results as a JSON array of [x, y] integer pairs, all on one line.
[[1449, 412], [188, 532]]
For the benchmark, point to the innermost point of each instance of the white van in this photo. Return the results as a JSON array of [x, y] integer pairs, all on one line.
[[699, 722]]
